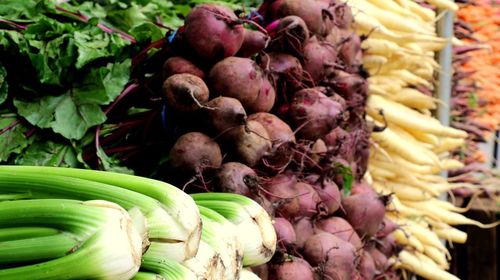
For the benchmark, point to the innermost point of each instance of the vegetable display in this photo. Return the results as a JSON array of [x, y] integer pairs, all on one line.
[[208, 140], [124, 225]]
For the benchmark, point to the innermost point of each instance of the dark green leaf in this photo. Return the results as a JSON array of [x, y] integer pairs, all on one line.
[[4, 87], [48, 153], [62, 114], [347, 177], [12, 139], [110, 164]]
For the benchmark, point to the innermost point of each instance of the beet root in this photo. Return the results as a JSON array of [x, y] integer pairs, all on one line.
[[309, 10], [340, 228], [185, 92], [278, 130], [314, 112], [328, 191], [180, 65], [237, 77], [224, 113], [251, 142], [253, 42], [303, 229], [294, 268], [280, 191], [365, 212], [266, 98], [334, 256], [285, 232], [367, 266], [213, 32], [286, 68], [319, 58], [310, 203], [194, 152], [235, 177], [289, 34]]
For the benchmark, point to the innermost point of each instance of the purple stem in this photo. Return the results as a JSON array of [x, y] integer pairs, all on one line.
[[130, 88], [16, 25], [10, 126]]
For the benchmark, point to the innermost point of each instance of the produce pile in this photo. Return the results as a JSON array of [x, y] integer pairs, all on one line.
[[84, 224], [407, 157], [274, 109]]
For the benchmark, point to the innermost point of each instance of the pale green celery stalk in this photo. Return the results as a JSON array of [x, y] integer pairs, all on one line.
[[16, 233], [222, 236], [207, 264], [14, 196], [38, 248], [162, 227], [246, 274], [111, 247], [253, 223], [185, 222], [166, 268], [141, 275]]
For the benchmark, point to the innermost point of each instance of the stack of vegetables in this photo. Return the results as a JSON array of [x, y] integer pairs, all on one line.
[[276, 113], [75, 223], [408, 155]]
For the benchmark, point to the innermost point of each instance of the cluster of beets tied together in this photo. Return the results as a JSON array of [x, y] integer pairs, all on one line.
[[271, 106]]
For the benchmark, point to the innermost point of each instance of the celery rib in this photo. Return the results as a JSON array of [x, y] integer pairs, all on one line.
[[16, 233], [38, 248]]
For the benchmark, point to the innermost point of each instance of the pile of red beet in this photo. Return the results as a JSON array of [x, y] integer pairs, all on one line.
[[271, 106]]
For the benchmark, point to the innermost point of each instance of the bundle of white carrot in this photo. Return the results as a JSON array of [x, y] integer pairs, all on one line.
[[408, 156]]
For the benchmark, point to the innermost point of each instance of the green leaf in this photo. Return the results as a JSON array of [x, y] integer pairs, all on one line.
[[4, 87], [347, 177], [48, 153], [74, 112], [12, 138], [62, 114], [147, 32], [111, 164]]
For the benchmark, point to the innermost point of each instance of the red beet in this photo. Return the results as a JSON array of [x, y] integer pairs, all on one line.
[[235, 177], [350, 51], [328, 192], [286, 70], [303, 229], [387, 245], [279, 190], [278, 130], [364, 212], [185, 93], [380, 260], [386, 228], [250, 142], [253, 42], [213, 32], [367, 266], [224, 113], [292, 269], [194, 152], [335, 256], [266, 98], [289, 34], [237, 77], [309, 10], [309, 201], [284, 231], [179, 65], [319, 58], [340, 228], [314, 112]]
